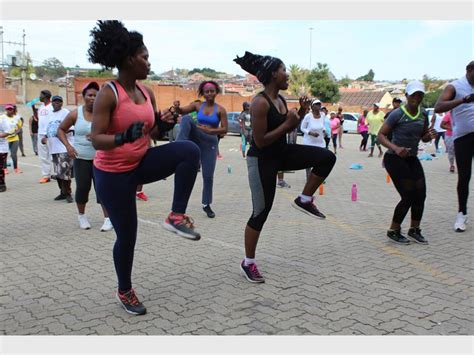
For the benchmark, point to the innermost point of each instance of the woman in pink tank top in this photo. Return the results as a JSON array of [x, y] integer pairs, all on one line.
[[125, 118]]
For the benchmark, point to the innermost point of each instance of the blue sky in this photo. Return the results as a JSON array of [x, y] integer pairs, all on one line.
[[393, 49]]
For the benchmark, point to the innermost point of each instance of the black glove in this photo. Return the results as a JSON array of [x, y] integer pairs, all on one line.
[[468, 98], [131, 134], [162, 125]]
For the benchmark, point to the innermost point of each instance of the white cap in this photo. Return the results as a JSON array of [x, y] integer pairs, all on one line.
[[332, 112], [377, 104], [315, 101], [414, 86]]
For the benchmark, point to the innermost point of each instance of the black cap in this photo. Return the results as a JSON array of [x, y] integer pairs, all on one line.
[[397, 99], [57, 98]]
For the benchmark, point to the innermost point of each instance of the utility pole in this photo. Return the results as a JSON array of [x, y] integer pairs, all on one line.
[[310, 46], [1, 36], [24, 65]]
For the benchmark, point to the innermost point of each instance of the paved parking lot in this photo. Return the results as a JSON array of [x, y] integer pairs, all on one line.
[[338, 276]]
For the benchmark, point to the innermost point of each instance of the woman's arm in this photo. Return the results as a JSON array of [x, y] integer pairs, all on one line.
[[304, 125], [69, 120], [384, 131], [192, 107], [446, 101], [104, 105], [166, 119], [261, 135]]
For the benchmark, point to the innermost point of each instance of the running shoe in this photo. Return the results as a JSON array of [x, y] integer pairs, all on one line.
[[107, 226], [44, 180], [451, 169], [397, 237], [220, 157], [129, 301], [182, 225], [415, 234], [210, 213], [18, 171], [461, 221], [251, 272], [83, 222], [308, 208], [69, 199], [142, 196], [283, 184], [3, 188]]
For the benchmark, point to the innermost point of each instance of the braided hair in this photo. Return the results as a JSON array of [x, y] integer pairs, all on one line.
[[112, 43]]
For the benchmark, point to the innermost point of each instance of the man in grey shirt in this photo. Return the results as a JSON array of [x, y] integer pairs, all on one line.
[[458, 97]]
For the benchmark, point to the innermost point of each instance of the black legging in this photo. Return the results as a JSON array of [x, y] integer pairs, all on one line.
[[263, 172], [117, 192], [409, 180], [464, 150], [365, 138]]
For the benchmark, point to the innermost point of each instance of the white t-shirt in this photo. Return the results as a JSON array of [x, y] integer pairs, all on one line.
[[4, 128], [54, 119], [43, 112], [437, 123], [311, 124]]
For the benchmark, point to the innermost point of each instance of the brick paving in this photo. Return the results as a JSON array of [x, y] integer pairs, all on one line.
[[339, 276]]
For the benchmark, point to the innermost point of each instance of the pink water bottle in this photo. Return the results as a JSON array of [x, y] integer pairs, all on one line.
[[354, 192]]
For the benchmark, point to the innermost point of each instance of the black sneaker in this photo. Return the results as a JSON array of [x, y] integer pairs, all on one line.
[[251, 273], [397, 237], [3, 188], [60, 197], [308, 208], [69, 199], [415, 234], [130, 302], [210, 213], [182, 225]]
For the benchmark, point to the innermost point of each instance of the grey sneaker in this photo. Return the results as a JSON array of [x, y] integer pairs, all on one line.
[[308, 208], [283, 184], [182, 225], [251, 273]]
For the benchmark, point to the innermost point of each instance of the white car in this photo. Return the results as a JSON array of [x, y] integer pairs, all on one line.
[[350, 122]]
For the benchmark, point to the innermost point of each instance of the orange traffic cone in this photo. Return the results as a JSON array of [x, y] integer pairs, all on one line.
[[321, 189], [388, 179]]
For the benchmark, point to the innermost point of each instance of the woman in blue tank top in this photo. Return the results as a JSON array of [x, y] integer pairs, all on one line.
[[211, 122]]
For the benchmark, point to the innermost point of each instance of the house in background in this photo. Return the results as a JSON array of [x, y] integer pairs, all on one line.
[[366, 99]]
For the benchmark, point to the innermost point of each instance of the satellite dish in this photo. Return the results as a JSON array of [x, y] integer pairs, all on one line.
[[33, 76]]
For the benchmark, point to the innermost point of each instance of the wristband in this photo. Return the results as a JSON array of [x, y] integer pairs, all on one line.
[[118, 139]]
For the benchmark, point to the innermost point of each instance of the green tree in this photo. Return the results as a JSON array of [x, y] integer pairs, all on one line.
[[97, 73], [298, 81], [51, 67], [321, 84], [345, 81], [431, 97], [431, 83], [367, 77]]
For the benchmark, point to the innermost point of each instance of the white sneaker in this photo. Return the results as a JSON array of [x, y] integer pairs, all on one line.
[[460, 224], [107, 226], [83, 222]]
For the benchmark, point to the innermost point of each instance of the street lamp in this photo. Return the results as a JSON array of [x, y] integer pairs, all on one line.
[[310, 45]]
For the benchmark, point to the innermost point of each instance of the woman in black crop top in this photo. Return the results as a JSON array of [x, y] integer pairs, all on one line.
[[270, 153]]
